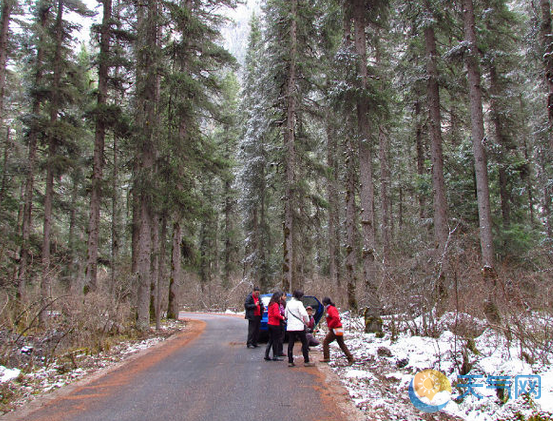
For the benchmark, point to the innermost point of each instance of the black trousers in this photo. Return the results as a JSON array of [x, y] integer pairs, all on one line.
[[292, 336], [274, 341], [282, 334], [253, 330]]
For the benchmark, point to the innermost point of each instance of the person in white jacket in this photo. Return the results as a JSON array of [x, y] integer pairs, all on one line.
[[296, 320]]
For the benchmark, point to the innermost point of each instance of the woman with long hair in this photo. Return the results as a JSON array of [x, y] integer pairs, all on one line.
[[273, 324]]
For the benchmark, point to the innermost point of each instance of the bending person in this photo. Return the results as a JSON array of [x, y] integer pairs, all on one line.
[[335, 332]]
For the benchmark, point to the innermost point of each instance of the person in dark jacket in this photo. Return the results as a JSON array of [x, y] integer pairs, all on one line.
[[335, 332], [254, 311]]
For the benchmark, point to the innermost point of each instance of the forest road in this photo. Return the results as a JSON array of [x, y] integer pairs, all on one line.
[[205, 374]]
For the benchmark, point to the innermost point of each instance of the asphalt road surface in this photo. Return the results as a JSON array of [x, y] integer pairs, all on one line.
[[208, 375]]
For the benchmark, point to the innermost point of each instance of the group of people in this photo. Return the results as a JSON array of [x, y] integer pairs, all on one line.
[[294, 318]]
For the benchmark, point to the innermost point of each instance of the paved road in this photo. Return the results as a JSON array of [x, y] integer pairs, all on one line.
[[211, 378]]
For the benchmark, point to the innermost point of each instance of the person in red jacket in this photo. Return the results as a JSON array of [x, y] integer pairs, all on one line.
[[335, 332], [273, 324]]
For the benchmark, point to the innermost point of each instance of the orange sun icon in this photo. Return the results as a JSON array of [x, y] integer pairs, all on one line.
[[428, 383]]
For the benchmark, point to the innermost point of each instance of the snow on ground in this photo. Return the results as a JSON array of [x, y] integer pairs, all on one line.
[[7, 374], [379, 380]]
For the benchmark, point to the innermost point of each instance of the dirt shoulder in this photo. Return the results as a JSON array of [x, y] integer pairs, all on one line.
[[122, 371], [333, 392]]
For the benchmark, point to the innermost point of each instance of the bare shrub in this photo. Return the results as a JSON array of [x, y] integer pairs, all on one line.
[[87, 323]]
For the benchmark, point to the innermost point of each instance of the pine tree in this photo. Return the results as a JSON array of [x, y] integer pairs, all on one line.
[[255, 155], [293, 64], [35, 121], [57, 128]]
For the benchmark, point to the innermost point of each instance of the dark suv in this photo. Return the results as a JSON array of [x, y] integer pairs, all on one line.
[[307, 300]]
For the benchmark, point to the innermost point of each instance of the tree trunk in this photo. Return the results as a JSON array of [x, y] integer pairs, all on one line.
[[98, 160], [161, 268], [419, 143], [154, 287], [5, 160], [147, 120], [478, 138], [264, 240], [528, 181], [228, 235], [115, 216], [546, 32], [76, 263], [229, 203], [365, 163], [290, 280], [504, 192], [333, 211], [385, 183], [441, 230], [351, 230], [176, 273]]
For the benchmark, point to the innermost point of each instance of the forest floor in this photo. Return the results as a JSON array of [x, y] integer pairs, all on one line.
[[378, 382]]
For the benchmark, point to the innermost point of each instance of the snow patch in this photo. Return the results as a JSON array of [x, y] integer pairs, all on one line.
[[7, 374]]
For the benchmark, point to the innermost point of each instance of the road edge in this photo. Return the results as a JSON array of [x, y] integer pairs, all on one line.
[[193, 329]]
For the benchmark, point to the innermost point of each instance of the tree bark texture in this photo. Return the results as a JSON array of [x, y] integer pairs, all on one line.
[[478, 137]]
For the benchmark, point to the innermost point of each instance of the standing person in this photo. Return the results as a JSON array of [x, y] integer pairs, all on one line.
[[282, 306], [311, 340], [254, 311], [335, 332], [273, 324], [296, 319]]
